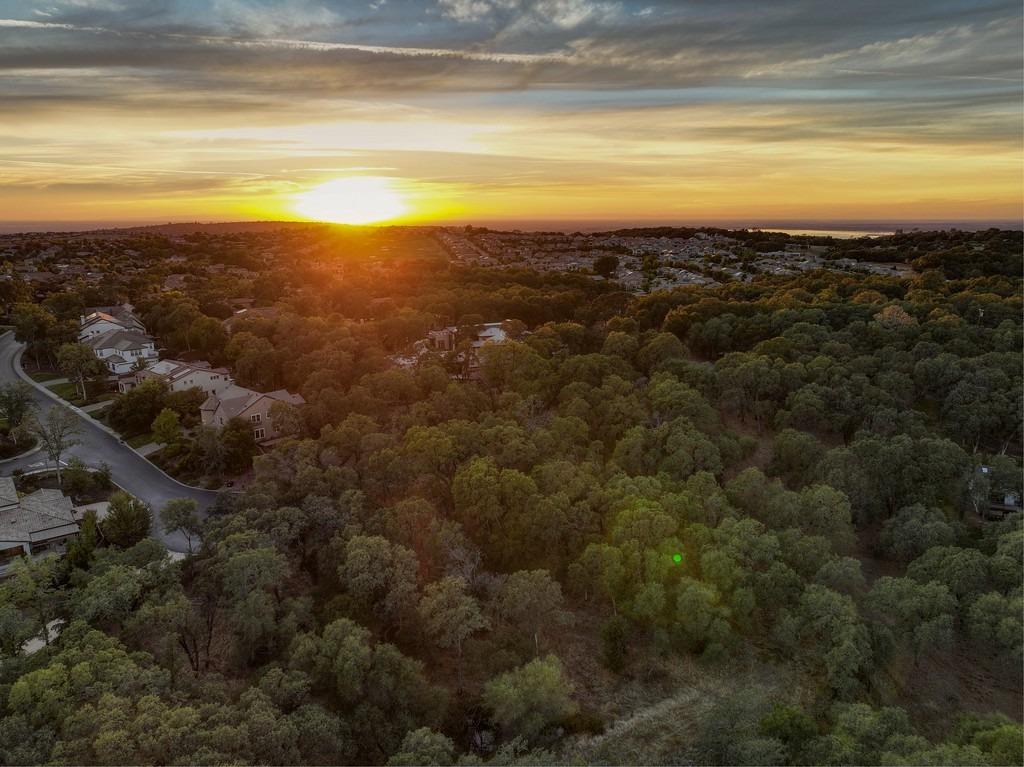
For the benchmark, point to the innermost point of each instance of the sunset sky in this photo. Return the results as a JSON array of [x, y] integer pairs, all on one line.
[[490, 110]]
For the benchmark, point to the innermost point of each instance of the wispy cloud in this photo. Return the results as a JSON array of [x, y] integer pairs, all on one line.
[[623, 102]]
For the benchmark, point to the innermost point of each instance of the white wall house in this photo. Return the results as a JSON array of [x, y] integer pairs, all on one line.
[[105, 319], [121, 350], [33, 525], [181, 376]]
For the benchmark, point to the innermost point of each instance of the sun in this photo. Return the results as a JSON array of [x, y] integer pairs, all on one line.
[[352, 200]]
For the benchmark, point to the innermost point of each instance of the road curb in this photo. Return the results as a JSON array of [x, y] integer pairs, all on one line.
[[82, 414], [19, 456]]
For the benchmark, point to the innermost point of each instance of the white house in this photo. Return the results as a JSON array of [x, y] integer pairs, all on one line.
[[40, 523], [121, 350], [96, 322], [181, 376], [250, 406]]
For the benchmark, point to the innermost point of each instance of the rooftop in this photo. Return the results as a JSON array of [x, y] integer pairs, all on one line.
[[236, 399], [43, 514]]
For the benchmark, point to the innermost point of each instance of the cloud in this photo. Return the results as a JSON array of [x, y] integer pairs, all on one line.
[[629, 96], [524, 14]]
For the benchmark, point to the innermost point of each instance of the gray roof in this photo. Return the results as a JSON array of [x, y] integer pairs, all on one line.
[[44, 514], [8, 493], [236, 399], [122, 340]]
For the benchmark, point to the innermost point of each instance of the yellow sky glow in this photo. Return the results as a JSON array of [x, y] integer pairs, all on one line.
[[596, 166]]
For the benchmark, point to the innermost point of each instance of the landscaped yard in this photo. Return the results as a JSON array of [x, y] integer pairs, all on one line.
[[140, 440], [44, 375], [69, 391]]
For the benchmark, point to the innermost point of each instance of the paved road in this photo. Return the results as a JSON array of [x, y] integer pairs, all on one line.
[[128, 469]]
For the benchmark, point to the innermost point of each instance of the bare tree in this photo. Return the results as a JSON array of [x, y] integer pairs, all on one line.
[[56, 433]]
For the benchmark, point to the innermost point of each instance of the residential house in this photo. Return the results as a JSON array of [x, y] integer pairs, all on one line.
[[122, 350], [181, 376], [261, 312], [40, 523], [446, 339], [100, 320], [250, 406]]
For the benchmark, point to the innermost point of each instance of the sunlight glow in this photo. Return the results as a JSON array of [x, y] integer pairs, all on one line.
[[353, 200]]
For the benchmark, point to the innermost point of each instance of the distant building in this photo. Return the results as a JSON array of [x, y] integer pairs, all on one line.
[[181, 376], [446, 340], [250, 406], [122, 350], [32, 525], [263, 312]]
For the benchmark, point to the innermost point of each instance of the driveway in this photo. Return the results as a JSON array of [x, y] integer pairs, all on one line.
[[96, 446]]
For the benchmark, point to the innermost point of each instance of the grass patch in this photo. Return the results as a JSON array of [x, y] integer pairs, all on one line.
[[69, 392], [42, 376], [140, 440], [66, 391]]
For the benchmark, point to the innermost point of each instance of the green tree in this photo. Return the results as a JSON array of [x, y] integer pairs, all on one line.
[[527, 700], [32, 326], [914, 530], [423, 746], [56, 433], [80, 549], [79, 363], [128, 520], [530, 600], [181, 514], [16, 402], [239, 445], [921, 613], [450, 615], [134, 411], [167, 427], [380, 575]]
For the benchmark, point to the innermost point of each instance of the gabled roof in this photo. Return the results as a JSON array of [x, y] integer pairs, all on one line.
[[237, 399], [121, 340], [174, 370], [119, 315], [44, 514]]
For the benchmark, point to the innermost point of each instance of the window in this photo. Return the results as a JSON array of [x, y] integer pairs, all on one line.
[[255, 418], [259, 434]]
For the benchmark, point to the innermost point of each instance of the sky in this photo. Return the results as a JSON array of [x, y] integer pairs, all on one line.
[[512, 110]]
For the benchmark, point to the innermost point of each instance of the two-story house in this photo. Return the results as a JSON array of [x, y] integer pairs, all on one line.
[[250, 406], [122, 350], [40, 523], [181, 376]]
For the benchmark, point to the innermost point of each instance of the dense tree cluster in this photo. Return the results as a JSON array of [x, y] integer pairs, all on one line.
[[796, 470]]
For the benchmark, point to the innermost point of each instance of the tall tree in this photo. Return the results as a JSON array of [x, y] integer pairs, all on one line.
[[128, 520], [79, 363], [527, 700], [181, 514], [15, 402], [450, 615], [530, 600], [57, 433]]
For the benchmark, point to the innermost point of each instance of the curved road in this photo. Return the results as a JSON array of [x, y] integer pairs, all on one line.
[[128, 469]]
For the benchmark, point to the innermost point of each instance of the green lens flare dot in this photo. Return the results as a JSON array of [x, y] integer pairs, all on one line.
[[677, 558]]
